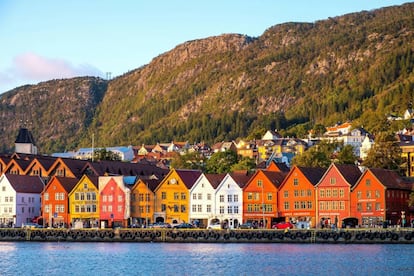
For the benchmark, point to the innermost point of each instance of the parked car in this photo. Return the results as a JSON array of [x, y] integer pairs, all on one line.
[[160, 225], [283, 225], [215, 226], [184, 225], [31, 225], [247, 225]]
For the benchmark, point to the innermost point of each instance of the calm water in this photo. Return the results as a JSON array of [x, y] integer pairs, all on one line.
[[21, 258]]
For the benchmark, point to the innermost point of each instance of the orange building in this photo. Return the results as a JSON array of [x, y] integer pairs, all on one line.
[[297, 196], [142, 201], [260, 198], [55, 201], [334, 194], [380, 196]]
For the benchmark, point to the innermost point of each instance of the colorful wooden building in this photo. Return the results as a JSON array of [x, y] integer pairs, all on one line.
[[142, 202], [260, 198], [55, 201], [172, 196], [114, 198], [84, 203], [334, 194], [297, 198]]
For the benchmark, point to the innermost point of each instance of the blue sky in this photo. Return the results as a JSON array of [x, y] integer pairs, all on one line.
[[48, 39]]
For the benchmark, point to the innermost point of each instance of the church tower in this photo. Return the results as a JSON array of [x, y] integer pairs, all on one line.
[[25, 142]]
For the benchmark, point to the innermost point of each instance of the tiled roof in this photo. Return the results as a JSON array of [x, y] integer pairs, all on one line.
[[67, 183], [152, 183], [275, 177], [314, 175], [189, 177], [215, 179], [241, 178], [351, 173], [25, 183], [390, 179]]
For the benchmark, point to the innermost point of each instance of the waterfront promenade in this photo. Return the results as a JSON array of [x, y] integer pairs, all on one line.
[[358, 236]]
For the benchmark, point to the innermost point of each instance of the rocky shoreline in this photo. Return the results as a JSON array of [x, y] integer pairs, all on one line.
[[346, 236]]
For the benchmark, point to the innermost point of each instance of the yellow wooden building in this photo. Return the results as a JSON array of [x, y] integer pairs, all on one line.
[[143, 202], [84, 203], [172, 196]]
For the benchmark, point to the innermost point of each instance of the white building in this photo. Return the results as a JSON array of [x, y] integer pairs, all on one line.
[[19, 199], [229, 200], [202, 198]]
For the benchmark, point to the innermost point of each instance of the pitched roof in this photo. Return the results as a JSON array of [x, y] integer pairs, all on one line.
[[241, 178], [275, 177], [152, 184], [351, 173], [25, 183], [314, 175], [189, 177], [67, 183], [25, 137], [390, 179], [215, 179]]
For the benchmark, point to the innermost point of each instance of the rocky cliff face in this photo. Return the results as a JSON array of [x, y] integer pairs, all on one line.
[[354, 67]]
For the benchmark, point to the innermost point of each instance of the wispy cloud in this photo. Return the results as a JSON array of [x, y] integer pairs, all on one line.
[[29, 68]]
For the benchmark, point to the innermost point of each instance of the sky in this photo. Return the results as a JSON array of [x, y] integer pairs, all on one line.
[[54, 39]]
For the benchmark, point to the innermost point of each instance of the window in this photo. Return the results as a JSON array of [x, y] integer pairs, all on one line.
[[222, 199], [236, 198], [369, 206], [147, 197], [296, 205], [368, 182], [257, 207], [199, 208], [328, 192], [295, 182], [286, 205], [321, 193], [221, 209], [249, 208], [249, 196], [229, 198], [286, 194], [377, 206], [321, 205], [163, 207], [119, 208], [303, 204], [110, 198], [377, 194], [259, 183], [309, 205], [229, 210], [359, 194], [268, 208], [236, 209], [119, 198], [183, 209], [88, 196], [335, 192], [269, 196], [163, 195], [194, 208], [176, 196], [3, 188], [256, 196], [104, 198], [175, 208], [342, 205], [194, 196], [309, 192], [208, 208], [332, 180], [368, 194], [200, 196], [183, 196], [302, 193], [341, 192], [296, 193], [76, 196], [208, 196], [359, 207]]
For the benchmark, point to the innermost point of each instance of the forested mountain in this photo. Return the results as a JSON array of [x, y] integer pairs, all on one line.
[[355, 67]]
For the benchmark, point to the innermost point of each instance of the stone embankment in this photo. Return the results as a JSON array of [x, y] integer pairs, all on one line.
[[350, 236]]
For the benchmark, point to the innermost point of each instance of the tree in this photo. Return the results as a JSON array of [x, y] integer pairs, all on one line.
[[245, 163], [189, 160], [385, 153], [346, 155], [104, 154], [316, 156], [221, 162]]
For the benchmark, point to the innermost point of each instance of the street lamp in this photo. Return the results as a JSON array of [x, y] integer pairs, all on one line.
[[263, 209]]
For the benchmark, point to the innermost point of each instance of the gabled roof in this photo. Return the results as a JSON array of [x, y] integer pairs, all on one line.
[[189, 177], [351, 173], [152, 184], [314, 175], [215, 179], [241, 178], [68, 183], [275, 177], [25, 137], [25, 183], [390, 179]]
